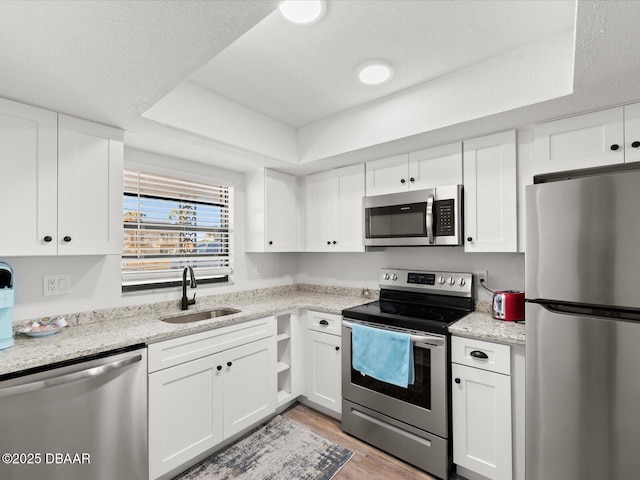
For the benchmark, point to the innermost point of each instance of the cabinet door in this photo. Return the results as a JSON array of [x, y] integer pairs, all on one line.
[[591, 140], [249, 384], [323, 370], [348, 221], [185, 413], [490, 193], [281, 222], [632, 133], [28, 197], [482, 422], [90, 162], [322, 203], [388, 175], [436, 167]]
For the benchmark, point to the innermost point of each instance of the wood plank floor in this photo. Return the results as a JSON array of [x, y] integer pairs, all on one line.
[[368, 462]]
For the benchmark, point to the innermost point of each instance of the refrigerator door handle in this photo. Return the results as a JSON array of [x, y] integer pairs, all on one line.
[[613, 313], [71, 377]]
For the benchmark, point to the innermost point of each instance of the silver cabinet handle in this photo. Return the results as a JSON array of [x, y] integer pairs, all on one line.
[[414, 338], [71, 377], [429, 214]]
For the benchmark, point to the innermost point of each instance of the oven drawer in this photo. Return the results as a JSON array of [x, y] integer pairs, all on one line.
[[415, 446], [489, 356], [324, 322]]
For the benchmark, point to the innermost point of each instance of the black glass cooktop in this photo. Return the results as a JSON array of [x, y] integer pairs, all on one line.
[[425, 318]]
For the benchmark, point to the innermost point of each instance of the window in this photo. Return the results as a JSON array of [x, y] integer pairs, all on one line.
[[171, 223]]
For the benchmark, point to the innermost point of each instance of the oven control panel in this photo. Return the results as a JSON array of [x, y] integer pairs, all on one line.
[[456, 283]]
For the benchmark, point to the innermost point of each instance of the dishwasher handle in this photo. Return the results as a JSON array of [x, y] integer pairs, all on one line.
[[71, 377]]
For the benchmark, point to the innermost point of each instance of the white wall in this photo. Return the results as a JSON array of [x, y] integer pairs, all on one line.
[[95, 280], [506, 270]]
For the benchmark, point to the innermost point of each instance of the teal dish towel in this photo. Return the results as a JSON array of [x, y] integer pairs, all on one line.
[[383, 354]]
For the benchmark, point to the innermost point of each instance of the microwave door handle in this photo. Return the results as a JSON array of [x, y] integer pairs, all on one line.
[[429, 215]]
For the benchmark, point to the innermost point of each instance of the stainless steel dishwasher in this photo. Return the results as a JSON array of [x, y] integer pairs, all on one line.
[[83, 420]]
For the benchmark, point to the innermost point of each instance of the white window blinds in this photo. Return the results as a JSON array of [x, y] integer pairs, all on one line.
[[171, 223]]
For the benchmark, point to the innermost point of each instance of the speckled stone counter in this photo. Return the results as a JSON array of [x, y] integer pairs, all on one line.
[[482, 326], [100, 331]]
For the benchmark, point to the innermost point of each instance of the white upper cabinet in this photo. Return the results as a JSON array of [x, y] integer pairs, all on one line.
[[490, 194], [28, 197], [436, 167], [334, 210], [388, 175], [591, 140], [272, 212], [90, 162], [632, 133], [62, 192], [433, 167]]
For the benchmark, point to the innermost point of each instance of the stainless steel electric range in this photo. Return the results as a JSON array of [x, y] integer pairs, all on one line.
[[412, 423]]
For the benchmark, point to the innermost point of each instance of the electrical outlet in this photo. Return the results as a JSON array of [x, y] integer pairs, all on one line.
[[56, 284], [482, 277]]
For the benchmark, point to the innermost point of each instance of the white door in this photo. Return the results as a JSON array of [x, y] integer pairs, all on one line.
[[185, 412], [28, 196], [348, 217], [632, 133], [322, 199], [90, 162], [490, 193], [249, 384], [281, 222], [482, 421], [591, 140], [324, 385], [387, 175], [436, 167]]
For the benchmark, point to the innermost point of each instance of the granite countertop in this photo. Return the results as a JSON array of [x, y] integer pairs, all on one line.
[[481, 325], [101, 331]]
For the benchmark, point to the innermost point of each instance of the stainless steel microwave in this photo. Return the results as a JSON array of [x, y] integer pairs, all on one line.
[[429, 217]]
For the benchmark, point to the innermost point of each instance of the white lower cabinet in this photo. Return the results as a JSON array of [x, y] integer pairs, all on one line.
[[482, 411], [226, 383], [323, 357], [185, 413], [249, 385]]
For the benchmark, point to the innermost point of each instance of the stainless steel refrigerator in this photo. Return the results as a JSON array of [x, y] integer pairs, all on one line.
[[583, 327]]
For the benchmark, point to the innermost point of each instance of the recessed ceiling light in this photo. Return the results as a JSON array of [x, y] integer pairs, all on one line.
[[303, 12], [374, 73]]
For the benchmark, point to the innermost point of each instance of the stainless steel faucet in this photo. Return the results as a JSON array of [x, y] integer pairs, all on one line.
[[187, 301]]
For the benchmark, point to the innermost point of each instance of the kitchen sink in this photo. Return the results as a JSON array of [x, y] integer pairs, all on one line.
[[198, 316]]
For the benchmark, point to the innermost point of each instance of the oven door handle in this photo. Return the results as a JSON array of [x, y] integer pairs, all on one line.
[[414, 338]]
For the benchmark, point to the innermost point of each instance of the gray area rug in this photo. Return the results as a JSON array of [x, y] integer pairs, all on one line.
[[279, 450]]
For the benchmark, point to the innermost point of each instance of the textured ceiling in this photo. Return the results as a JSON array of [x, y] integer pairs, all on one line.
[[298, 75], [111, 61]]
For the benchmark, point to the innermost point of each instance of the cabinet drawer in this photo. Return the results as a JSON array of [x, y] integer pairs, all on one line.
[[486, 355], [324, 322], [190, 347]]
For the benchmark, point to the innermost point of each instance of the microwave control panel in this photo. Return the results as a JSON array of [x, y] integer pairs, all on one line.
[[444, 218]]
